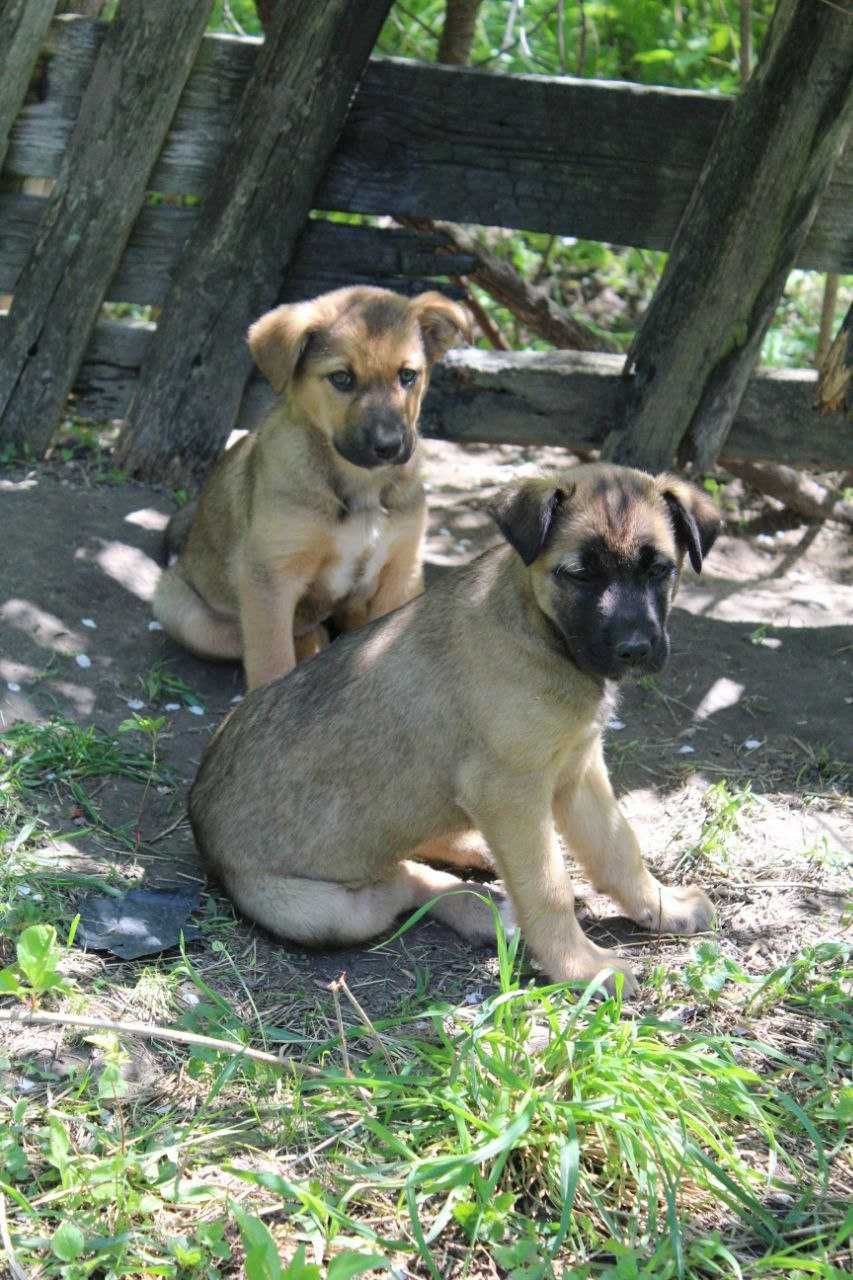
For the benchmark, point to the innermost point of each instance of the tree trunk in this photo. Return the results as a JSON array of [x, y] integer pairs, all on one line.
[[232, 269], [749, 215], [457, 36], [125, 114], [23, 26]]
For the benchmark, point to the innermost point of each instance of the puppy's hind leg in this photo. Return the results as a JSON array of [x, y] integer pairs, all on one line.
[[188, 620], [319, 912]]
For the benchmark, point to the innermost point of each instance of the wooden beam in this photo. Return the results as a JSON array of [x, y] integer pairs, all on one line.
[[604, 160], [23, 27], [232, 269], [136, 81], [521, 397], [758, 194], [329, 254]]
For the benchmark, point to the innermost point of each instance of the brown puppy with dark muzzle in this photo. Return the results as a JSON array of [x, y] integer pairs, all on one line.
[[480, 706], [320, 515]]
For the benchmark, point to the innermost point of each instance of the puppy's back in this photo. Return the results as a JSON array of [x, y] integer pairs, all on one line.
[[328, 761]]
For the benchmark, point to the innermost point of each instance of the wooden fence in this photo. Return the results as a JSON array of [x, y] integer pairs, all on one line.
[[604, 161]]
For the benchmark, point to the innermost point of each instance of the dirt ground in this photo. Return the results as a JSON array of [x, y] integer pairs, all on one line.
[[759, 691]]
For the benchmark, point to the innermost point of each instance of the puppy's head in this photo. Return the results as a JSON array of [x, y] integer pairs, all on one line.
[[604, 548], [355, 363]]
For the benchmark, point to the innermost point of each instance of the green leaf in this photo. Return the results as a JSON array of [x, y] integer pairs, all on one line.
[[68, 1242], [655, 55], [262, 1260], [9, 984], [721, 38], [349, 1264], [38, 954]]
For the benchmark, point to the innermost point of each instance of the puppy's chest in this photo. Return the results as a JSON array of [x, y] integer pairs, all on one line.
[[360, 548]]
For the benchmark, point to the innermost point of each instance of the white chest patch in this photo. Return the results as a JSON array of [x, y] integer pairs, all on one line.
[[361, 546]]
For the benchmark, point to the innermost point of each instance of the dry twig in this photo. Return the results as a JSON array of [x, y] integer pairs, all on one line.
[[150, 1031]]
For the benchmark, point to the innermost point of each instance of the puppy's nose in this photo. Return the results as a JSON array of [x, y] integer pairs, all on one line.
[[387, 443], [633, 649]]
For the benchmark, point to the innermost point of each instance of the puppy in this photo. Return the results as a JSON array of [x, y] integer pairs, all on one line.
[[479, 706], [320, 515]]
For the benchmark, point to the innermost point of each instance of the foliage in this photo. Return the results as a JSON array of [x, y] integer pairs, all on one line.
[[693, 44]]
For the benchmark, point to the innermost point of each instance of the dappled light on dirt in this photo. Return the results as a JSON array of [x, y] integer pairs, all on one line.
[[723, 693], [127, 565], [45, 628], [148, 518]]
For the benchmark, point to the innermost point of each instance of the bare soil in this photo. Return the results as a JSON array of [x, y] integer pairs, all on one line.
[[759, 691]]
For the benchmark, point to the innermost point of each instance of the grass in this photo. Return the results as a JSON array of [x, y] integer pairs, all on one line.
[[539, 1131]]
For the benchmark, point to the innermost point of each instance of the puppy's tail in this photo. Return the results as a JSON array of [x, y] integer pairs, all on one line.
[[176, 532]]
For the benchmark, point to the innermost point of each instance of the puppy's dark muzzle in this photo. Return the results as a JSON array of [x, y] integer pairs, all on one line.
[[639, 653], [379, 444]]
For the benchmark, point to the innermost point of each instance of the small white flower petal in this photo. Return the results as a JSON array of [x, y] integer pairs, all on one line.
[[238, 698], [615, 724], [172, 706], [195, 710], [752, 743], [13, 686], [83, 661], [24, 890], [90, 623], [686, 750], [135, 704], [155, 626]]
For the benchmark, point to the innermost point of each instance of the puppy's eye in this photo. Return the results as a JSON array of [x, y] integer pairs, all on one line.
[[564, 573], [341, 379], [407, 377], [660, 570]]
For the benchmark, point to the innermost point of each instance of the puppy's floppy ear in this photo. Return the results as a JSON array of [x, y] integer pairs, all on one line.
[[279, 339], [695, 519], [525, 515], [442, 323]]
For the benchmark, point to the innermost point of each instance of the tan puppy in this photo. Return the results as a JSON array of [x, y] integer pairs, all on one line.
[[480, 705], [321, 514]]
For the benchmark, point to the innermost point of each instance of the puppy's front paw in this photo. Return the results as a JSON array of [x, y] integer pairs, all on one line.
[[582, 965], [677, 909]]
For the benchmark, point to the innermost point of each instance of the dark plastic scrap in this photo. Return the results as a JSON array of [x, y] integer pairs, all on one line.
[[141, 922]]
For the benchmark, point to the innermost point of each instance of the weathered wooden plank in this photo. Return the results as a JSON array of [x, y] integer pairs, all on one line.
[[608, 161], [232, 268], [699, 340], [141, 68], [521, 397], [23, 27], [329, 254]]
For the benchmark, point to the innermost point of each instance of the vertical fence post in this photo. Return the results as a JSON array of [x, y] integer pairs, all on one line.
[[740, 235], [232, 269], [126, 111], [23, 26]]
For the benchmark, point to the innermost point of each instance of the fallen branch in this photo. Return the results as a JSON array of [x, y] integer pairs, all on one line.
[[529, 304], [488, 328], [149, 1031], [798, 492]]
